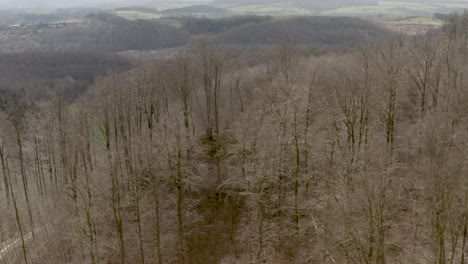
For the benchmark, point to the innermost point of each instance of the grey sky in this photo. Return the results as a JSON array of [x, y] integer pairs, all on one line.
[[64, 3]]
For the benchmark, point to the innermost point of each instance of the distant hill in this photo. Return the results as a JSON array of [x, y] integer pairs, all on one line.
[[214, 26], [107, 32], [321, 31], [101, 32], [205, 9], [320, 5], [37, 73], [317, 5], [137, 9], [104, 32], [106, 17]]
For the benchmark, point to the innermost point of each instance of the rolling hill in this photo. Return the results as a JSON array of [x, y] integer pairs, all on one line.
[[322, 31], [316, 5]]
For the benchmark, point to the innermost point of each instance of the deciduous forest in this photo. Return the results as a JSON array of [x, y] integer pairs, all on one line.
[[214, 156]]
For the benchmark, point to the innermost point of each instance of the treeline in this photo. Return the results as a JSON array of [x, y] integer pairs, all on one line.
[[353, 158]]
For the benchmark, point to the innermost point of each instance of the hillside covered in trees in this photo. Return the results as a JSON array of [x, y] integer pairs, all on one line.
[[356, 156], [35, 74], [214, 26], [322, 31], [204, 9], [101, 32], [108, 33]]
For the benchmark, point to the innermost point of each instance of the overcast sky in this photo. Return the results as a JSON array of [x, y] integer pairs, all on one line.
[[63, 3], [41, 3]]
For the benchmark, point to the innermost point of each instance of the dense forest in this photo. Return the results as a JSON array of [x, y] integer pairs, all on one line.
[[35, 75], [322, 31], [214, 26], [210, 156], [108, 33], [101, 33], [266, 30]]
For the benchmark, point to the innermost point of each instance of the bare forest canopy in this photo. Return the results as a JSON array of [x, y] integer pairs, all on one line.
[[206, 156]]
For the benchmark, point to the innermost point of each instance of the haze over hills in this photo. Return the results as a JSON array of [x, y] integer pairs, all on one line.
[[4, 4]]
